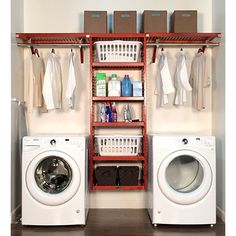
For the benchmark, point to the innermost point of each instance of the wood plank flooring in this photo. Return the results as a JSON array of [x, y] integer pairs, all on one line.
[[122, 222]]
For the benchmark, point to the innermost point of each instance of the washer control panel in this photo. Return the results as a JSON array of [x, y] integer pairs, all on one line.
[[197, 141]]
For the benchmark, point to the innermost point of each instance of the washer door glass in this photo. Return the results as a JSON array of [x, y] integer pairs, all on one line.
[[53, 174], [184, 177], [184, 174]]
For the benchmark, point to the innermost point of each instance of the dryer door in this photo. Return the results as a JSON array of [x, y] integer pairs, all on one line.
[[53, 178], [185, 177]]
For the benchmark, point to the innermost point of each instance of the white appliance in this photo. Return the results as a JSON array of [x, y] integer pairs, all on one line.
[[181, 179], [54, 180]]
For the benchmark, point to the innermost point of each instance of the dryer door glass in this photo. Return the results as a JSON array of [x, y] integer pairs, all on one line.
[[184, 174], [53, 174]]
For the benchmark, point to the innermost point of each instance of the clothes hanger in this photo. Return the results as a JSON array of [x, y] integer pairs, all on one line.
[[36, 52], [202, 49], [53, 50], [32, 50]]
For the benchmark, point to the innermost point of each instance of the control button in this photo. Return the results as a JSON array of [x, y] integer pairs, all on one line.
[[53, 142], [185, 141]]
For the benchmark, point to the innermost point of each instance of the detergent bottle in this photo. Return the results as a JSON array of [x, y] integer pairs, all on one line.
[[126, 87]]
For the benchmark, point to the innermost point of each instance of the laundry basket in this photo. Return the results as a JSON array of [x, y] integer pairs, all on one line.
[[118, 51], [125, 145]]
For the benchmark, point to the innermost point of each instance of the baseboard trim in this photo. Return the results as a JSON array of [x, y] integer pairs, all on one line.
[[16, 214], [220, 213]]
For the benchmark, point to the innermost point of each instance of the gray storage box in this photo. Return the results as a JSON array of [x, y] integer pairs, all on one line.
[[154, 21], [184, 21], [125, 21], [95, 21]]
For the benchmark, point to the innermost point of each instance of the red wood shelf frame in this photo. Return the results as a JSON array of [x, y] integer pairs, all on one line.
[[137, 187], [53, 38], [118, 99], [118, 124], [190, 38], [84, 39], [142, 100], [125, 65], [118, 158]]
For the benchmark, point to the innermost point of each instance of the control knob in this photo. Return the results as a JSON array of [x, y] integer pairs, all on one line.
[[53, 142], [185, 141]]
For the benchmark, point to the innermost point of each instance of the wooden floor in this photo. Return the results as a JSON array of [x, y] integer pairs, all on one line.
[[122, 222]]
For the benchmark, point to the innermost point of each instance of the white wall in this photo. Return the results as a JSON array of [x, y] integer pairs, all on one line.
[[58, 16], [218, 112], [61, 16], [17, 76]]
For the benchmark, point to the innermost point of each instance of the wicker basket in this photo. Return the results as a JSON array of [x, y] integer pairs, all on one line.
[[118, 51]]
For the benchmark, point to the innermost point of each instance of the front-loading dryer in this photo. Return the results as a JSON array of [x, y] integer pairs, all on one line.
[[181, 179], [54, 180]]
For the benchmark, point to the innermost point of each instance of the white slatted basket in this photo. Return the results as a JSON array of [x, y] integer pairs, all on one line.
[[125, 145], [118, 51]]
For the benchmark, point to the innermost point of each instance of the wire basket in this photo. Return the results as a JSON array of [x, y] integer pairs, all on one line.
[[118, 51], [124, 145]]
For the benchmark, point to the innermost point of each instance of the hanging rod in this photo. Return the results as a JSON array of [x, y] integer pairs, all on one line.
[[65, 45], [183, 44]]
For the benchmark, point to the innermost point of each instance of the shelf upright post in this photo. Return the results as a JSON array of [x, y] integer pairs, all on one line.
[[91, 143], [144, 113]]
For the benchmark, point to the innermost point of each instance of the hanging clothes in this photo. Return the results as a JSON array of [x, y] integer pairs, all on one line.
[[52, 87], [71, 84], [181, 80], [199, 79], [164, 84], [33, 95]]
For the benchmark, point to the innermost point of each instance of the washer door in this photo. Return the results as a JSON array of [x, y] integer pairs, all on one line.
[[184, 177], [53, 178]]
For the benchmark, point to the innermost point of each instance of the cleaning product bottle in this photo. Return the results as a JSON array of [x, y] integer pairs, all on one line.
[[126, 86], [100, 84], [114, 86], [102, 115], [127, 113], [113, 112], [108, 113]]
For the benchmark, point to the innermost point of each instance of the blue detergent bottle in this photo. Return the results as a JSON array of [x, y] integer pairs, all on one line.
[[126, 87]]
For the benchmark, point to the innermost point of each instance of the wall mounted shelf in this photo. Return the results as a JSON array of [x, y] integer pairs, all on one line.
[[118, 124], [120, 99]]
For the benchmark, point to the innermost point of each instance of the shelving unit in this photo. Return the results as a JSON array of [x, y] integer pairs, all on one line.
[[121, 66], [81, 40]]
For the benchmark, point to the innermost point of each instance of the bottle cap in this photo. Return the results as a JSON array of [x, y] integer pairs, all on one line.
[[100, 76]]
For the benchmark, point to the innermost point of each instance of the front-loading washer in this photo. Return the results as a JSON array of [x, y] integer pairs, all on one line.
[[181, 179], [54, 180]]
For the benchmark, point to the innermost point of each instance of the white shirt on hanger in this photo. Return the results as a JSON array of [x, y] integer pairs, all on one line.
[[164, 81], [52, 86], [71, 84], [181, 80]]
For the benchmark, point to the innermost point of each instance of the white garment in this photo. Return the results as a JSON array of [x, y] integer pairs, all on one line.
[[181, 80], [52, 86], [33, 84], [164, 81], [71, 82], [199, 79]]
